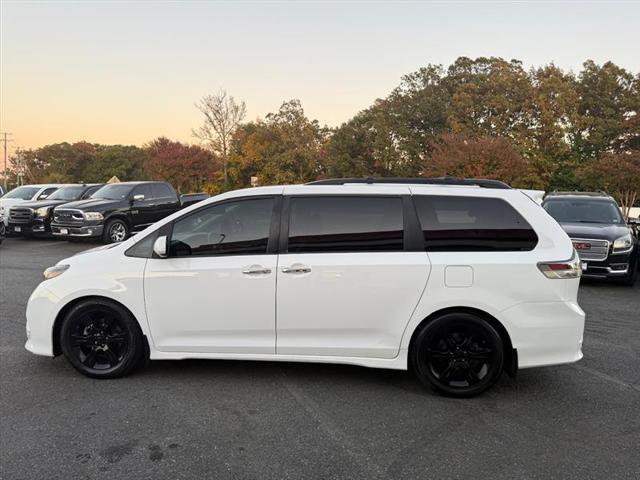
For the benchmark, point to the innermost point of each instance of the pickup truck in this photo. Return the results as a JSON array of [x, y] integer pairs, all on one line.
[[34, 218], [117, 210]]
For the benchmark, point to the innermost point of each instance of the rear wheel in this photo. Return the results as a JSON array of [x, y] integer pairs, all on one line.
[[458, 354], [101, 339], [116, 230]]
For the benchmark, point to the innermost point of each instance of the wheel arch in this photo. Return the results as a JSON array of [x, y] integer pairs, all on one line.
[[511, 354], [57, 323], [118, 216]]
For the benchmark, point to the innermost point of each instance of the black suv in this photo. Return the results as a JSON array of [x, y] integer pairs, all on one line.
[[607, 246], [34, 218], [118, 209]]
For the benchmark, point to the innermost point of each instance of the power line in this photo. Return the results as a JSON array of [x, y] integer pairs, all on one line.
[[4, 139]]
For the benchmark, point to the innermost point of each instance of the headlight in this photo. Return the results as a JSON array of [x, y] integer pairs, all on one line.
[[42, 212], [93, 216], [55, 271], [623, 244]]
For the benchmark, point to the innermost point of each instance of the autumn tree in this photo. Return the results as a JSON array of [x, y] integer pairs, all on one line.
[[222, 116], [459, 155], [618, 174], [189, 168], [285, 147], [123, 161]]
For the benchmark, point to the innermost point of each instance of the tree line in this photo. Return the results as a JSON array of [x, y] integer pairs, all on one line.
[[543, 128]]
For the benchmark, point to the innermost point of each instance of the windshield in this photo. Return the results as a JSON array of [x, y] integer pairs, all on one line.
[[113, 192], [583, 211], [23, 193], [67, 193]]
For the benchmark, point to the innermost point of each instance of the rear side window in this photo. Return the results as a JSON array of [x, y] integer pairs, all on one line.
[[345, 224], [472, 224], [162, 190]]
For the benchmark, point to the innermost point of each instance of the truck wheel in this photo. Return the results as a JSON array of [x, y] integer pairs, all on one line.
[[115, 230]]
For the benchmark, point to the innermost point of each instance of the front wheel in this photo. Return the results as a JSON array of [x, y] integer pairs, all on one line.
[[458, 354], [101, 339], [115, 230]]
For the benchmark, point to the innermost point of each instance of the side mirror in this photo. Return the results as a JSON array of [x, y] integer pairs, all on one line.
[[138, 198], [42, 197], [160, 246]]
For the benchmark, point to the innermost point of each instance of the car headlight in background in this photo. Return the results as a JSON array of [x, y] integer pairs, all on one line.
[[55, 271], [42, 212], [623, 244], [93, 216]]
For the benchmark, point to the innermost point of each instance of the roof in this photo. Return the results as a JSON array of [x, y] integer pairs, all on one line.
[[593, 195]]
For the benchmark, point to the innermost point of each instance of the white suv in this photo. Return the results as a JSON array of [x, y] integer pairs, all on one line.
[[457, 280]]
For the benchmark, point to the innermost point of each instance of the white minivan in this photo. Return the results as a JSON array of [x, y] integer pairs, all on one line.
[[455, 279]]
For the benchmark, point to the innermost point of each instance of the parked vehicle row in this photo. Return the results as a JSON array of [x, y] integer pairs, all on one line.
[[110, 212]]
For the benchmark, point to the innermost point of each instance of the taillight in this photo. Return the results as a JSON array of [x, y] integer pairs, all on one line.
[[567, 269]]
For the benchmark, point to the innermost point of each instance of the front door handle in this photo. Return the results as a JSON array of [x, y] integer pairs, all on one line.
[[256, 270], [296, 268]]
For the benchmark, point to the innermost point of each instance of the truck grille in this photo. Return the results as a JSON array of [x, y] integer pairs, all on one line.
[[591, 249], [68, 217], [21, 215]]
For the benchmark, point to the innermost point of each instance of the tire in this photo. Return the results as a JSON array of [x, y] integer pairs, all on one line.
[[115, 230], [101, 339], [458, 355]]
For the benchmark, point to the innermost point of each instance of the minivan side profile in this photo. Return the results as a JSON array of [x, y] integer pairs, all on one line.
[[457, 281]]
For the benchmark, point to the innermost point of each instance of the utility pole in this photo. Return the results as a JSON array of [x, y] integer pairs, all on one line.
[[4, 139]]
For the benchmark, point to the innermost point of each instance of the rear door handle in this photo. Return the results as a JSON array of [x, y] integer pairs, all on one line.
[[256, 270], [296, 268]]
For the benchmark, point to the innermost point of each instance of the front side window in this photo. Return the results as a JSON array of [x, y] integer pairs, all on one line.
[[113, 191], [583, 211], [232, 228], [144, 189], [472, 224], [46, 192], [345, 224], [67, 193]]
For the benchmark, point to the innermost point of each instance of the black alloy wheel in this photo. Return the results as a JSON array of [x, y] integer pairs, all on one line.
[[101, 339], [458, 354], [115, 230]]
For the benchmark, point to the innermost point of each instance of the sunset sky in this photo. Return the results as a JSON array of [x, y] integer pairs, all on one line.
[[128, 72]]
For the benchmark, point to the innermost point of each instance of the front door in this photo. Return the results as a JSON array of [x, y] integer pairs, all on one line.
[[346, 284], [216, 291], [142, 211]]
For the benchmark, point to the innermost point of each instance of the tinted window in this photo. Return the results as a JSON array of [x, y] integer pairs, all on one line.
[[233, 228], [472, 224], [144, 189], [583, 211], [90, 191], [345, 224], [46, 192], [67, 193], [113, 191], [162, 190]]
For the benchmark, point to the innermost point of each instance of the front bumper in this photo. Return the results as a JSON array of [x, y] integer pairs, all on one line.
[[37, 226], [77, 231], [42, 309], [616, 265]]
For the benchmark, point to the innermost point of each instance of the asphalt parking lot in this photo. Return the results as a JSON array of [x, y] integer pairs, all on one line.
[[246, 420]]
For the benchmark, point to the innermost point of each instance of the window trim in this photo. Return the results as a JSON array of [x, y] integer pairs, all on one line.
[[274, 228], [408, 223], [513, 207]]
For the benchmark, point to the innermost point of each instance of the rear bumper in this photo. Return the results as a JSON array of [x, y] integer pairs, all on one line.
[[545, 333], [77, 231]]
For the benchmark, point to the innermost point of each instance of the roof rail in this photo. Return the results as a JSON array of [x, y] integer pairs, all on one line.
[[599, 193], [478, 182]]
